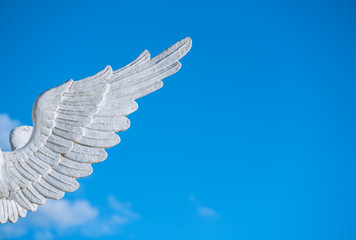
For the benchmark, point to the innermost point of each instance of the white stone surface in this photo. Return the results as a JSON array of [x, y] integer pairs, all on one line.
[[19, 137], [73, 125]]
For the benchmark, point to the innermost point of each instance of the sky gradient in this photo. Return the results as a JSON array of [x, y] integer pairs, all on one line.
[[254, 138]]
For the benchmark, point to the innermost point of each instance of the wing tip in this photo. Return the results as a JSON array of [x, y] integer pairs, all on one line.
[[11, 212], [188, 40], [187, 43], [175, 52]]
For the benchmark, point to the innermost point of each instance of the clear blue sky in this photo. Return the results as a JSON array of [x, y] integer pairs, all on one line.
[[254, 138]]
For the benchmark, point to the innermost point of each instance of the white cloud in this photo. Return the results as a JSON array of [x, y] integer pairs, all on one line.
[[206, 212], [43, 235], [11, 231], [203, 210], [65, 218], [6, 125], [123, 210], [65, 214], [120, 215]]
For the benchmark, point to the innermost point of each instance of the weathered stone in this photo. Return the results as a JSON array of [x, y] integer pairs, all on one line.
[[73, 125]]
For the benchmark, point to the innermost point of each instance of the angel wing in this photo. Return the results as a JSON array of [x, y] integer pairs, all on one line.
[[73, 125]]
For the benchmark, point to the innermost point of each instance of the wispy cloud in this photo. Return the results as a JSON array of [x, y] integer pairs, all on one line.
[[64, 214], [203, 210], [10, 231], [65, 218], [120, 215], [6, 125], [123, 210], [43, 235]]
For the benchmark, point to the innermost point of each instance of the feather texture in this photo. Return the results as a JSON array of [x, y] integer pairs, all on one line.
[[73, 125]]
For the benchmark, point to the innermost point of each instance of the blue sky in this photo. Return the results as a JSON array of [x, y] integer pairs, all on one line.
[[254, 138]]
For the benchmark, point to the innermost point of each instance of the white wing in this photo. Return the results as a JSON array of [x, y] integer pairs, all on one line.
[[73, 125]]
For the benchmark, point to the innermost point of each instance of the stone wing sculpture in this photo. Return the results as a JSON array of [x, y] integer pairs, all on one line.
[[73, 125]]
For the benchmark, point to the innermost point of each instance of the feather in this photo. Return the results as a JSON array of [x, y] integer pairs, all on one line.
[[147, 76], [68, 132], [78, 108], [85, 157], [3, 211], [22, 212], [33, 195], [97, 142], [71, 118], [58, 144], [47, 190], [19, 179], [38, 165], [61, 182], [139, 61], [48, 156], [23, 201], [74, 169], [106, 73], [27, 172], [120, 125], [87, 89], [13, 214], [114, 108]]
